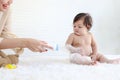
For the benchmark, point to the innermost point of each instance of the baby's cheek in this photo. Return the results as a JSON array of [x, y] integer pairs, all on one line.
[[4, 1]]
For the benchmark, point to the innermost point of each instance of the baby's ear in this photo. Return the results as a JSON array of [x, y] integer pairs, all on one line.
[[2, 54], [88, 27]]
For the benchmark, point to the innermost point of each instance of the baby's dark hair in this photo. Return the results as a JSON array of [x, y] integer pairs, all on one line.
[[87, 19]]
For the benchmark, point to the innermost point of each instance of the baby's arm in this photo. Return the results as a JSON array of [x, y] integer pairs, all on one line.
[[94, 48], [69, 43], [93, 45]]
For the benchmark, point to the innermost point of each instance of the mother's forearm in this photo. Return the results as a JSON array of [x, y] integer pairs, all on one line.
[[12, 43]]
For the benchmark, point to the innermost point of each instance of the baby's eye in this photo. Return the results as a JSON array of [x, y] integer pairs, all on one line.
[[80, 27], [74, 26]]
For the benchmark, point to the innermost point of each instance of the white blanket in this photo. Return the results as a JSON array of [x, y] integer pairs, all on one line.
[[55, 65]]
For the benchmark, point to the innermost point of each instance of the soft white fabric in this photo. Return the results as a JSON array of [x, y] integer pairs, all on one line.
[[55, 65], [1, 39]]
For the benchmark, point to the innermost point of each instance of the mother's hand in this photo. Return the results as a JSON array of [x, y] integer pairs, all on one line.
[[36, 45]]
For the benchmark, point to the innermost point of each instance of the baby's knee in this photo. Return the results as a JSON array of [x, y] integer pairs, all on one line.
[[99, 56], [74, 57]]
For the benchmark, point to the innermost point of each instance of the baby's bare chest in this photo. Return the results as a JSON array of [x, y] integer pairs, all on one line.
[[82, 40]]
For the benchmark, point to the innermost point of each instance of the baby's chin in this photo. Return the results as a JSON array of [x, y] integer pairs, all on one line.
[[78, 34]]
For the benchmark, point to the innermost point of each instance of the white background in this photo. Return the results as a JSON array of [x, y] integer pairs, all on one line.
[[51, 20]]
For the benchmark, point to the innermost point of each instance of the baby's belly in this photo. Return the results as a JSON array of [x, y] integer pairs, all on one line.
[[85, 51]]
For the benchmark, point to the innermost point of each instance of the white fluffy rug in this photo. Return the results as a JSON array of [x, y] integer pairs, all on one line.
[[55, 65]]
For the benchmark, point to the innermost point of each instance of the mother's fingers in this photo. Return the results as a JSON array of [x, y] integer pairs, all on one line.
[[34, 49], [45, 45], [41, 49], [42, 42], [48, 46]]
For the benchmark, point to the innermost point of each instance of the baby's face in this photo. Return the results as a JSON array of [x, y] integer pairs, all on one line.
[[4, 4], [79, 28]]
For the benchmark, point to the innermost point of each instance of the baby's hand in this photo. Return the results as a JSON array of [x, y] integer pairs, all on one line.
[[94, 63], [93, 57]]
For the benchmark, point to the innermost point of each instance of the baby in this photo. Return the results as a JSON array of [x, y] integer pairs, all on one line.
[[82, 45]]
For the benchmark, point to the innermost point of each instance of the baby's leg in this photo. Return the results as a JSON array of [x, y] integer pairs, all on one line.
[[115, 61], [101, 58], [78, 59]]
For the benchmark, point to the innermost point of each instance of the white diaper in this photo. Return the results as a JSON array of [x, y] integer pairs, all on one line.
[[77, 58]]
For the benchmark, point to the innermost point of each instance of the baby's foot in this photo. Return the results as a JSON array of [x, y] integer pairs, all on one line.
[[116, 61], [94, 63]]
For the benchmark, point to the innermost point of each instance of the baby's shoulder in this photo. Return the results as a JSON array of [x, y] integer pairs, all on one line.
[[89, 33], [72, 34]]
